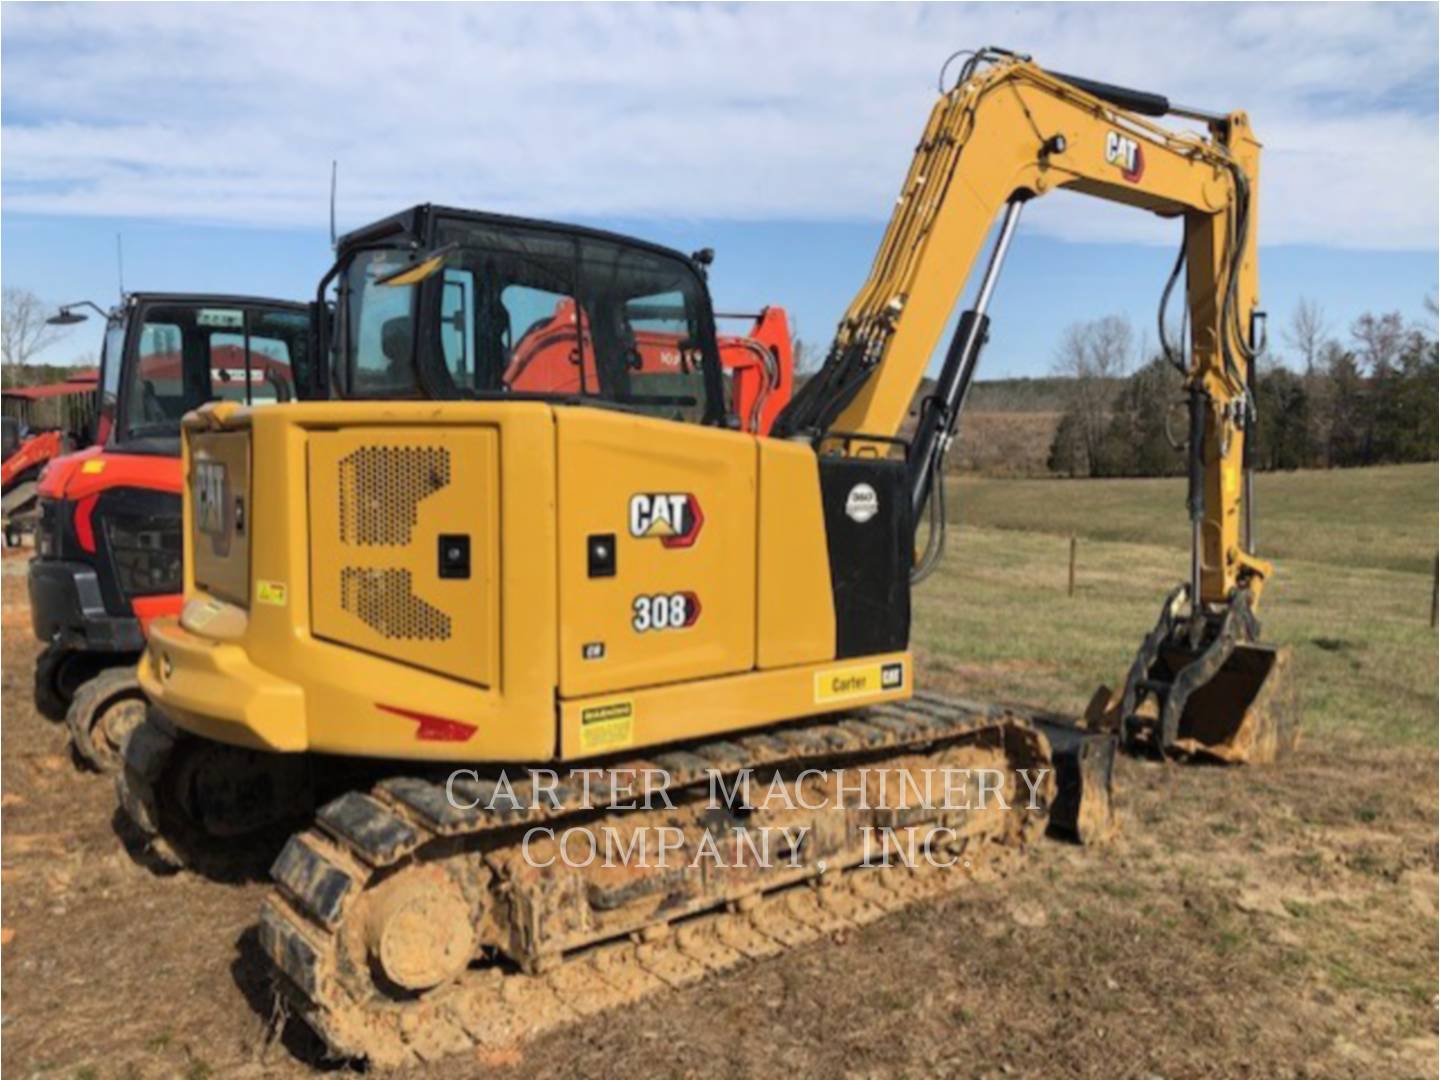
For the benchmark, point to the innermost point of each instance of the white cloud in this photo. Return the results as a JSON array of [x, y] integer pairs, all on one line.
[[232, 114]]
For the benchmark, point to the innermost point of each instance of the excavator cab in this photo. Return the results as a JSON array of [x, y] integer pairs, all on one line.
[[509, 322]]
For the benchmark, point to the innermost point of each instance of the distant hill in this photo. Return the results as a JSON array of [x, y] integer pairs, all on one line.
[[1042, 394], [1008, 425]]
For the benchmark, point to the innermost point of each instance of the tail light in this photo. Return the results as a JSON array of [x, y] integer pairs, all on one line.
[[84, 523]]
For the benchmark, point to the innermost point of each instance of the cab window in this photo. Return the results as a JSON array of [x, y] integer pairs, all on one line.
[[530, 310], [187, 355], [378, 328]]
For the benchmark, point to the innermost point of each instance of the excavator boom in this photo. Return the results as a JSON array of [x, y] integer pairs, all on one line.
[[1007, 132]]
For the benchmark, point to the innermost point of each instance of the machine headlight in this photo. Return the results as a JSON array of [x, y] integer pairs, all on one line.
[[148, 554]]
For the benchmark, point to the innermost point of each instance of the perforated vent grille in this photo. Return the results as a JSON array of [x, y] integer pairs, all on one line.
[[381, 487], [386, 602]]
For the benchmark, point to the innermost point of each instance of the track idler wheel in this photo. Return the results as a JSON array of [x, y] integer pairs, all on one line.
[[419, 929], [103, 712]]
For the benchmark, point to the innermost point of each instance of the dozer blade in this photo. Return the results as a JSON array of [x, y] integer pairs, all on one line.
[[1083, 757], [1084, 764]]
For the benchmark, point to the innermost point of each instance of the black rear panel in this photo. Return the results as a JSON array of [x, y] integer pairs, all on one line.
[[870, 540], [137, 537]]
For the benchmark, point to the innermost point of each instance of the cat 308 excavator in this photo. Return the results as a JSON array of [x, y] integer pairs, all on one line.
[[418, 595]]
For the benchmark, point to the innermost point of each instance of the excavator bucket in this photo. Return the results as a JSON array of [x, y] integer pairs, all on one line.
[[1246, 713], [1222, 698]]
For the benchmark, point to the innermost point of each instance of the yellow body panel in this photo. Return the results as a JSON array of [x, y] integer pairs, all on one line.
[[591, 727], [608, 459], [382, 503], [296, 670], [212, 689], [341, 689], [796, 613], [219, 486]]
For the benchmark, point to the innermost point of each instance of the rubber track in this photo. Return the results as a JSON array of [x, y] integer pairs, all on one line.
[[324, 869]]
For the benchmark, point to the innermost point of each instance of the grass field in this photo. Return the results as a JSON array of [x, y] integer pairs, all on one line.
[[1259, 921], [1354, 553]]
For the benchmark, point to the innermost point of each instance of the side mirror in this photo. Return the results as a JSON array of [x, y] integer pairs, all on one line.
[[425, 266]]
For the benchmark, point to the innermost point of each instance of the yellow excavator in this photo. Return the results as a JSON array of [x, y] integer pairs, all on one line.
[[391, 606]]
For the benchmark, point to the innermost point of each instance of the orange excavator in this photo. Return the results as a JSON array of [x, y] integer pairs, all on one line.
[[108, 549], [26, 455], [551, 357]]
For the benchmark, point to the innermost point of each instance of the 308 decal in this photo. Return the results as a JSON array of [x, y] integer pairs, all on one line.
[[664, 611]]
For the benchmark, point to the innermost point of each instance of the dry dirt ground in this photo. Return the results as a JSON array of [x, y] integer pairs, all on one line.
[[1270, 922]]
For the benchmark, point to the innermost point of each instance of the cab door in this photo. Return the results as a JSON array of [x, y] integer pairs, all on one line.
[[657, 552]]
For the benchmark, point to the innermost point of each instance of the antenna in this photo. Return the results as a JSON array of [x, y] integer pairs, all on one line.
[[120, 265], [334, 169]]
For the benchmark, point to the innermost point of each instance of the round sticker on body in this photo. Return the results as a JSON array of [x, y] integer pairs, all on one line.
[[862, 503]]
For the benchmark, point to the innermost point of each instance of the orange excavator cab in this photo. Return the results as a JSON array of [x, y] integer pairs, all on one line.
[[556, 355]]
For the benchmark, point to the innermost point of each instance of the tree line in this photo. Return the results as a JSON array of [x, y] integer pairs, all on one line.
[[1368, 397]]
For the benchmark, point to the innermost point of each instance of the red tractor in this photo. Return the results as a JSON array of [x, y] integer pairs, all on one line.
[[108, 551]]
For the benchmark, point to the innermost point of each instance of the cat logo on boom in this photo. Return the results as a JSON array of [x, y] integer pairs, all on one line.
[[674, 519], [1126, 153]]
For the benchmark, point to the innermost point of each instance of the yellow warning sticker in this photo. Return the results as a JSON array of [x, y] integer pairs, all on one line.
[[608, 726], [270, 592], [858, 680], [94, 465]]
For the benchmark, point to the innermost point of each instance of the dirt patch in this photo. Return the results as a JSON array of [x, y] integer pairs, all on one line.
[[1278, 921]]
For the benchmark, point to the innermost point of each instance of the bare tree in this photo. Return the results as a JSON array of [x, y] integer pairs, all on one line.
[[1307, 332], [1380, 339], [805, 357], [23, 330], [1093, 355]]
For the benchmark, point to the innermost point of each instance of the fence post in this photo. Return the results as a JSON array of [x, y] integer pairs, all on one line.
[[1071, 590], [1435, 593]]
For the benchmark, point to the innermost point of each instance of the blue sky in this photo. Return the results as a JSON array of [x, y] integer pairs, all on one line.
[[776, 134]]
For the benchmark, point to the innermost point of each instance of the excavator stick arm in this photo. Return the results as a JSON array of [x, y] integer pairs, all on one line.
[[1008, 132]]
